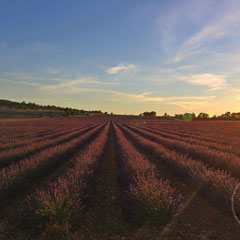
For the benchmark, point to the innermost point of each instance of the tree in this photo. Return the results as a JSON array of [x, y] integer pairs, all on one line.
[[203, 115], [188, 116], [179, 116], [228, 114], [67, 112], [235, 115], [152, 113]]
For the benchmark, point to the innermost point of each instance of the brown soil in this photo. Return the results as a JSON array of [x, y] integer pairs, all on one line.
[[105, 219]]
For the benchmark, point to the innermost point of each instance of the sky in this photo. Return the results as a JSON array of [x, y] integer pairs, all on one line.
[[122, 56]]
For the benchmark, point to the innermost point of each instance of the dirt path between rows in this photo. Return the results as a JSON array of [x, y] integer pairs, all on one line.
[[105, 219]]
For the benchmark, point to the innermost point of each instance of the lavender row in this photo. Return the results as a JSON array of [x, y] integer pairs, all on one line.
[[10, 131], [217, 183], [211, 157], [15, 176], [17, 154], [151, 196], [192, 135], [216, 146], [38, 132], [61, 201], [38, 138], [208, 129], [221, 132]]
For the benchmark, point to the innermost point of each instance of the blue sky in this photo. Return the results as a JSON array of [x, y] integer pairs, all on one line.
[[122, 56]]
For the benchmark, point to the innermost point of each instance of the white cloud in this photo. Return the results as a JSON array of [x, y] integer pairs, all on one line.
[[125, 68], [214, 82], [53, 71]]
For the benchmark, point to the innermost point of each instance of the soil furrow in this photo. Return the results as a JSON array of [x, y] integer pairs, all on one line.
[[105, 218]]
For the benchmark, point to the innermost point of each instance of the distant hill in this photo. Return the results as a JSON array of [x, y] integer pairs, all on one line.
[[15, 109], [28, 106]]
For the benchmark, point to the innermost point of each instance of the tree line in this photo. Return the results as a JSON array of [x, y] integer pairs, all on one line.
[[193, 116], [33, 106], [72, 112]]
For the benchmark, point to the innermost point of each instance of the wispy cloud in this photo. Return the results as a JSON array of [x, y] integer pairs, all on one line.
[[53, 71], [192, 105], [72, 87], [41, 46], [62, 83], [21, 82], [29, 76], [125, 68], [185, 12], [71, 83], [214, 82], [144, 98], [184, 67], [186, 103], [222, 26], [97, 65]]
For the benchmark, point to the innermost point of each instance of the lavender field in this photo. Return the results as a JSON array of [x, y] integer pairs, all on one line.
[[119, 178]]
